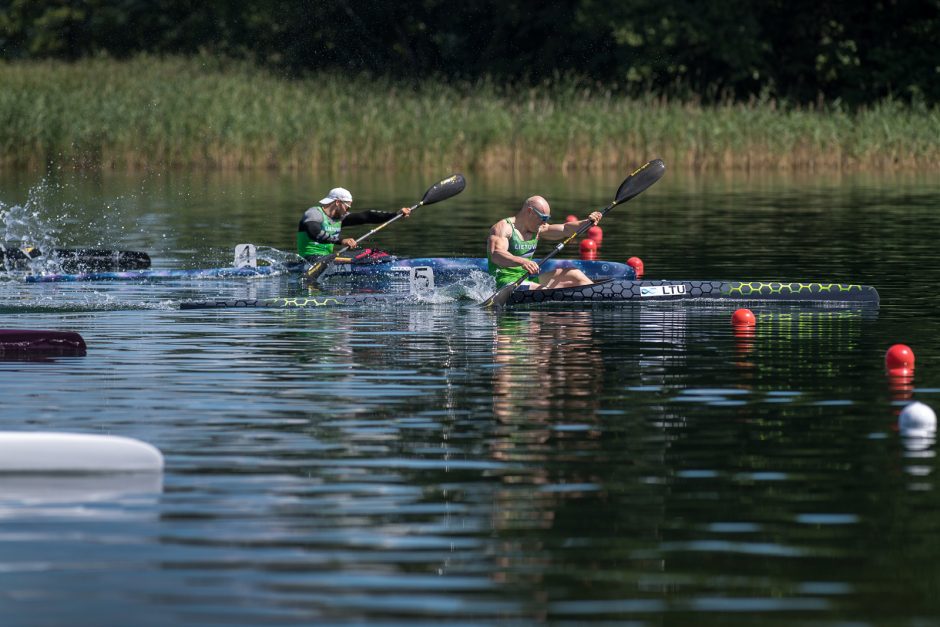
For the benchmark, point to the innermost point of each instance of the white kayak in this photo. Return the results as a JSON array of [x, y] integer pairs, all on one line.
[[32, 452]]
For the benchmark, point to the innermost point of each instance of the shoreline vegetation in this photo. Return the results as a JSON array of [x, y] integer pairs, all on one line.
[[206, 113]]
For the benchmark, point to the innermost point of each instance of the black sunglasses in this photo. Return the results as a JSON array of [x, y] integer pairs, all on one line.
[[544, 217]]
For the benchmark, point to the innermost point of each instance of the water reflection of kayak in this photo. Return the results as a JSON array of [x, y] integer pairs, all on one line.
[[611, 291], [380, 273]]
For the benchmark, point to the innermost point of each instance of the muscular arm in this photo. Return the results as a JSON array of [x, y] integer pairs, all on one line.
[[561, 231], [497, 245], [554, 232], [368, 217]]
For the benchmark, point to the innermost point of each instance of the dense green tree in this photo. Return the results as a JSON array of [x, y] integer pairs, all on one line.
[[799, 50]]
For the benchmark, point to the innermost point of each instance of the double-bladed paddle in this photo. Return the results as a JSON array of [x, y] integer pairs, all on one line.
[[442, 190], [632, 186]]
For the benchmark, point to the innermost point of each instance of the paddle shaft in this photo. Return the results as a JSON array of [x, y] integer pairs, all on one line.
[[580, 231], [375, 230]]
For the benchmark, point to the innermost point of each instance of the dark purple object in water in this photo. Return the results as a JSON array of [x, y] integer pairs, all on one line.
[[18, 341]]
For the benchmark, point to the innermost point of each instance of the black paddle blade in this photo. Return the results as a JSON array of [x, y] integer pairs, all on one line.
[[319, 266], [447, 188], [501, 297], [640, 180]]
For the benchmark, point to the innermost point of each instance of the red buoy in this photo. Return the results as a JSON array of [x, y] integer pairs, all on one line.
[[637, 264], [595, 233], [899, 360], [744, 318], [572, 218], [588, 250]]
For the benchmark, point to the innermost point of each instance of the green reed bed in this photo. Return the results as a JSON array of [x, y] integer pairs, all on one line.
[[200, 112]]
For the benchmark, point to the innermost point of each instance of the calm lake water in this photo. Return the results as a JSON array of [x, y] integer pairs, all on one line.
[[431, 463]]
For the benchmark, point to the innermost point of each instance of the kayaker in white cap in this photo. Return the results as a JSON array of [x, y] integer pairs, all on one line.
[[320, 226]]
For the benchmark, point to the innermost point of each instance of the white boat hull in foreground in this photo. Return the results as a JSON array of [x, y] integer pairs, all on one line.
[[31, 452]]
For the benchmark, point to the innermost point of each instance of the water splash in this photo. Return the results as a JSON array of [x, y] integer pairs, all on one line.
[[431, 297], [49, 219], [274, 257], [25, 232], [476, 286]]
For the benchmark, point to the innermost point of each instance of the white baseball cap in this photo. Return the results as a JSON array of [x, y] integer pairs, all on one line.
[[337, 193]]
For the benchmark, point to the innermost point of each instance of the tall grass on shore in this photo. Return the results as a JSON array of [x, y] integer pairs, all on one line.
[[200, 112]]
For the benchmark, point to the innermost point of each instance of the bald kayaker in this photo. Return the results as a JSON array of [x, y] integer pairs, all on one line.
[[512, 241], [320, 226]]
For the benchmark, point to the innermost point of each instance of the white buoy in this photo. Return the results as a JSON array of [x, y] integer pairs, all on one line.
[[918, 420], [31, 452]]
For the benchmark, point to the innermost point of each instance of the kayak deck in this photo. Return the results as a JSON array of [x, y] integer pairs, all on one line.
[[451, 269], [379, 274], [745, 291], [610, 292]]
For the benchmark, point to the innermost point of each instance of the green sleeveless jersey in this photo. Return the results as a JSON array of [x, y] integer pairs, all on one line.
[[328, 228], [518, 247]]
